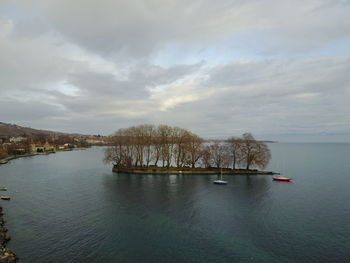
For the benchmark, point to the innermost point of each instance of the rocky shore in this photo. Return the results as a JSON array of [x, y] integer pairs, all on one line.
[[6, 255]]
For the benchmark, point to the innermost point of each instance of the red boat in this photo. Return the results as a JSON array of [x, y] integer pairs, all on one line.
[[280, 178]]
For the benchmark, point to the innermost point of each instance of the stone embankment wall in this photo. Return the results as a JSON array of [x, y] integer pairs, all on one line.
[[182, 170]]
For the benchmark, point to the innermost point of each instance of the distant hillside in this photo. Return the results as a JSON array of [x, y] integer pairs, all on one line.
[[15, 130]]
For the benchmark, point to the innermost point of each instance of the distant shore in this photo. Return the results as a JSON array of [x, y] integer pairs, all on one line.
[[12, 157], [185, 170]]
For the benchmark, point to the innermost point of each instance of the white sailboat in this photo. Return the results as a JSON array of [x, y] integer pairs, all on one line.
[[220, 181]]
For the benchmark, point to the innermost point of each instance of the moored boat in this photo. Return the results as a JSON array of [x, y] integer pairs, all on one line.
[[5, 197], [220, 181], [281, 178]]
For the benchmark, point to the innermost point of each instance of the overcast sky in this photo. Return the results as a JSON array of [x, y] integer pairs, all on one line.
[[279, 69]]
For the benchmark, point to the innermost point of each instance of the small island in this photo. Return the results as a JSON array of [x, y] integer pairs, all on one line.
[[150, 149]]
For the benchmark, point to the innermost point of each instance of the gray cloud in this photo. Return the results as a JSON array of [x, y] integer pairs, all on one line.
[[136, 82], [29, 111], [84, 66], [118, 27]]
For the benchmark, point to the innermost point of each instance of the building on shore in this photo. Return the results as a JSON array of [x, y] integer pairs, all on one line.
[[46, 147]]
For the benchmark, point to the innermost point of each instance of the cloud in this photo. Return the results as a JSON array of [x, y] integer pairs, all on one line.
[[217, 68], [110, 27]]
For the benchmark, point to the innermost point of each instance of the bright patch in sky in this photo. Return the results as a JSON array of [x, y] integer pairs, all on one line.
[[65, 88]]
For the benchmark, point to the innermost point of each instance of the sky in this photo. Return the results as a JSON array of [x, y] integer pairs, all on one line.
[[279, 69]]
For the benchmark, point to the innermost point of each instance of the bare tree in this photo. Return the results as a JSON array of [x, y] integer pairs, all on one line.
[[254, 153], [219, 155], [157, 146], [180, 149], [149, 133], [119, 152], [206, 159], [164, 135], [235, 146], [194, 147]]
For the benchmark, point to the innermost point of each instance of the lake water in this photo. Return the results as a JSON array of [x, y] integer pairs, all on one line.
[[70, 207]]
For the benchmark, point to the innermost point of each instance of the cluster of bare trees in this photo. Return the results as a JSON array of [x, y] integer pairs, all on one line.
[[244, 152], [149, 145]]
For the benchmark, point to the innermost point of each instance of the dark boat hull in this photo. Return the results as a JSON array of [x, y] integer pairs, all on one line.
[[220, 182]]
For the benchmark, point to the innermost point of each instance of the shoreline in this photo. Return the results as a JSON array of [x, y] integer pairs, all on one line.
[[13, 157], [188, 171], [6, 255]]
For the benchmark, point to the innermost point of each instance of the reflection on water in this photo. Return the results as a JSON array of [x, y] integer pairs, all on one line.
[[70, 207]]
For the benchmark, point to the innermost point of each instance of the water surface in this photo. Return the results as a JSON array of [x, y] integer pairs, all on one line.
[[70, 207]]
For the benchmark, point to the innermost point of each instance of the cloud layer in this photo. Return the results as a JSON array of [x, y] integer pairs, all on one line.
[[275, 68]]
